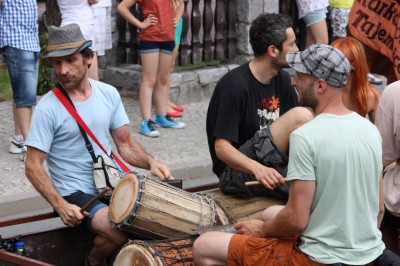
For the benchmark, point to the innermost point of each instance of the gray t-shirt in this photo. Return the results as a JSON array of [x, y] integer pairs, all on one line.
[[54, 131]]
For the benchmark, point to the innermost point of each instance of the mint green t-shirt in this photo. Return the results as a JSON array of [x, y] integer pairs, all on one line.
[[343, 154]]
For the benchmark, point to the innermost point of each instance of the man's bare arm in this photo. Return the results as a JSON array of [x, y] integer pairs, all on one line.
[[294, 217], [134, 154], [226, 152], [36, 174]]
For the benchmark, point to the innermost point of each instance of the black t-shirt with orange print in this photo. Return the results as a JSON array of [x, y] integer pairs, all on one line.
[[241, 105]]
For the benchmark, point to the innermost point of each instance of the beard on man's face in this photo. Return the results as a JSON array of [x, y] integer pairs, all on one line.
[[308, 99]]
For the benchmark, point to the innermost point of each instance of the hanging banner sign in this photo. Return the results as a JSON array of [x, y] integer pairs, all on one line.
[[376, 23]]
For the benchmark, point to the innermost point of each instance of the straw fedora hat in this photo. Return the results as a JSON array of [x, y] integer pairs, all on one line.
[[66, 40]]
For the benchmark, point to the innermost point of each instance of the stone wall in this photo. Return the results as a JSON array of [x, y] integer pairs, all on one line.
[[194, 85]]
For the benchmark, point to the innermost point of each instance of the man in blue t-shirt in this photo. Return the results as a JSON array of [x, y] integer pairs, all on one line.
[[250, 115], [54, 136]]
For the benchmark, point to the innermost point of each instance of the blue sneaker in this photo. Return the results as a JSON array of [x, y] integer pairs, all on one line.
[[168, 122], [147, 129]]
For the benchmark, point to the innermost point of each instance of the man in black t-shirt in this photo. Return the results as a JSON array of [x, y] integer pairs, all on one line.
[[250, 115]]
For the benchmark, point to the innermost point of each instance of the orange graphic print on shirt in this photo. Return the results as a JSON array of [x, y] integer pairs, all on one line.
[[269, 112]]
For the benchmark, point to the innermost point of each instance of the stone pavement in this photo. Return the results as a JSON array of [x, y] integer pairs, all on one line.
[[184, 150]]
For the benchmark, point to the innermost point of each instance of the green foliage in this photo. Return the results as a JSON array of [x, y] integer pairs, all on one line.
[[44, 84], [5, 85]]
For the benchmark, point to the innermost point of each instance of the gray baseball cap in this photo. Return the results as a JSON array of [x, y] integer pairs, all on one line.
[[323, 62], [66, 40]]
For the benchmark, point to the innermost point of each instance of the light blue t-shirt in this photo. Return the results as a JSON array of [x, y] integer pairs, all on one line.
[[343, 154], [54, 131]]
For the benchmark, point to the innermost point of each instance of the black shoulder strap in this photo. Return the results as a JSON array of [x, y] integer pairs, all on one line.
[[89, 146]]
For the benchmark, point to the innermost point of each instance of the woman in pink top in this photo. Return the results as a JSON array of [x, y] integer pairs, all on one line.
[[157, 41]]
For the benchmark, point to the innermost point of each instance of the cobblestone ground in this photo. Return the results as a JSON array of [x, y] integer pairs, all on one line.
[[175, 147]]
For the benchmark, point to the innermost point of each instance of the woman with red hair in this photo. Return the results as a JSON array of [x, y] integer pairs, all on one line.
[[358, 95]]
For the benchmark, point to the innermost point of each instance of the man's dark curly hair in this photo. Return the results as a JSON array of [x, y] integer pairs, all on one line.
[[268, 29], [87, 53]]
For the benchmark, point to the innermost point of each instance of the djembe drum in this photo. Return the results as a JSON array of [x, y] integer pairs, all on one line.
[[148, 208], [171, 252], [239, 209]]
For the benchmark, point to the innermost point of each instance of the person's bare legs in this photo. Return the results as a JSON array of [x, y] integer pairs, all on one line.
[[162, 83], [94, 68], [107, 239], [170, 104], [211, 248], [149, 74], [282, 127], [17, 129], [317, 33], [22, 120], [270, 212]]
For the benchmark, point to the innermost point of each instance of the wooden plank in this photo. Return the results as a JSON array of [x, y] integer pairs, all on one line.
[[60, 246], [28, 219], [6, 256]]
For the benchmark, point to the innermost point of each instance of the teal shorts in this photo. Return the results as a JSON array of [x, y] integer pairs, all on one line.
[[178, 32]]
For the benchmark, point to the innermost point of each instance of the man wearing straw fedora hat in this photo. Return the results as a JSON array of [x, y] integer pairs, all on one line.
[[55, 137]]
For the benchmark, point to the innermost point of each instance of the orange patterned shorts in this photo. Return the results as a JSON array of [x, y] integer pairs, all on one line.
[[250, 251]]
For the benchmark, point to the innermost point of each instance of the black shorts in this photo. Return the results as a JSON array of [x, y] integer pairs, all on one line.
[[262, 149]]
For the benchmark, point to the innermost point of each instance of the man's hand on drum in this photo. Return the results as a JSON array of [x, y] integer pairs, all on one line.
[[70, 214], [251, 227], [268, 176], [160, 170]]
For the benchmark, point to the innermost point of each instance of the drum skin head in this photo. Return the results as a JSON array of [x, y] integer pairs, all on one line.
[[171, 252], [135, 255], [123, 198]]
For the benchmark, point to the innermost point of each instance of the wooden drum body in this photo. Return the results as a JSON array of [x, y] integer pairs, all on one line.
[[171, 252], [239, 209], [152, 209]]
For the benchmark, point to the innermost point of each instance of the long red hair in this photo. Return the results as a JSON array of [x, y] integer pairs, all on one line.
[[354, 51]]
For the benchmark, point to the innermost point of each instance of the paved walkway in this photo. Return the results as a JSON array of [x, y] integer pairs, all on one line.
[[184, 150]]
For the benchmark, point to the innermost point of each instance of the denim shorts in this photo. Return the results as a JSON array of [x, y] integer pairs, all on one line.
[[23, 69], [316, 16], [80, 199], [156, 47]]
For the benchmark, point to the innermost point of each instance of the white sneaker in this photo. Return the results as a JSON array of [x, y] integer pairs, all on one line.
[[23, 155], [16, 147]]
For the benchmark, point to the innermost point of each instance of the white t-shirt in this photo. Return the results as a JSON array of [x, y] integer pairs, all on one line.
[[79, 12], [103, 3], [54, 131]]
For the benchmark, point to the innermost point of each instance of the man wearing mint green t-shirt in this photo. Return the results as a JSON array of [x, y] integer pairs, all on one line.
[[336, 196]]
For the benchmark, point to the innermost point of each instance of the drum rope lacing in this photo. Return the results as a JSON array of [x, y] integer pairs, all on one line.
[[169, 246]]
